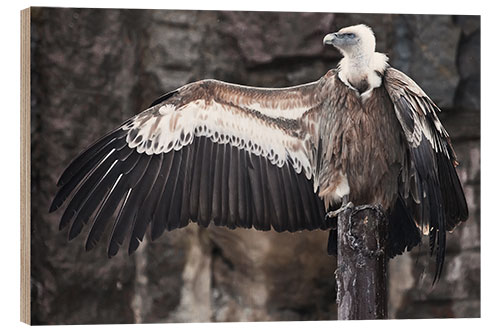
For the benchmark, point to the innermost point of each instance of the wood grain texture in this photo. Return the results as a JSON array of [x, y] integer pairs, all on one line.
[[25, 167], [362, 264]]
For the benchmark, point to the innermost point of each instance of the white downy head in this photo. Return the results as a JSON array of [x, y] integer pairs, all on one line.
[[360, 62]]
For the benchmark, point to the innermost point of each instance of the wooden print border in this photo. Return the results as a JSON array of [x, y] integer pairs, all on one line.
[[25, 166]]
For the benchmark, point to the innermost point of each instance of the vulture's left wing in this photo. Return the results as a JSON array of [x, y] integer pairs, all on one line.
[[207, 152], [431, 188]]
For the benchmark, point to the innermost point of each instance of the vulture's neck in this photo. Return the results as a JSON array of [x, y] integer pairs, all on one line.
[[362, 72]]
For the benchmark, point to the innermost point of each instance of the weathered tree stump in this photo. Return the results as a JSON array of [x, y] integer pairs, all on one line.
[[362, 264]]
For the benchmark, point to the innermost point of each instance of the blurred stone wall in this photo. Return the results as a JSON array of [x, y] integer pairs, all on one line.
[[92, 69]]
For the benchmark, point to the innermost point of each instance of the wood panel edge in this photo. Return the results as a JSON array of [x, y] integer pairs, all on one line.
[[25, 163]]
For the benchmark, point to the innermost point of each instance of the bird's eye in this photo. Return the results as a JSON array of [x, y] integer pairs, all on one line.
[[350, 35]]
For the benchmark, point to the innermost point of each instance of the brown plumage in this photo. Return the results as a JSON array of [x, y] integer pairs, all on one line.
[[274, 158], [357, 145]]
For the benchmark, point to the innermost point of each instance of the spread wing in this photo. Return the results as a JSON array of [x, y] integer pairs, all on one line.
[[431, 187], [207, 152]]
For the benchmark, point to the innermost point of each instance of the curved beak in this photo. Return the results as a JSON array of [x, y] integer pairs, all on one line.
[[329, 39]]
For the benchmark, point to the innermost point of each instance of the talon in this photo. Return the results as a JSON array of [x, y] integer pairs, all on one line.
[[335, 213], [376, 208]]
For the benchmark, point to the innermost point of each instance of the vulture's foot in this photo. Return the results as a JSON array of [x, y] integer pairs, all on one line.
[[334, 213], [377, 208], [332, 236]]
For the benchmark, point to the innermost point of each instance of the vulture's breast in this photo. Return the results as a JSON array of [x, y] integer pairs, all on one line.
[[368, 148]]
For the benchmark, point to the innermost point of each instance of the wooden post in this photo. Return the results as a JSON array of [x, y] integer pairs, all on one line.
[[361, 264]]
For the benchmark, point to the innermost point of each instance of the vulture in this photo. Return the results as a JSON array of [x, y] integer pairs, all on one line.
[[287, 159]]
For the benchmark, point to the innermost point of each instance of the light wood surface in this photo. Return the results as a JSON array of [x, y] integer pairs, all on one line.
[[25, 166]]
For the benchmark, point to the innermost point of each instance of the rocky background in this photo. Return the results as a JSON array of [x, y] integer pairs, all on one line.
[[92, 69]]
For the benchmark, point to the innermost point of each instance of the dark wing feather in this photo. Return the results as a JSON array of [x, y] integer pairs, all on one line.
[[432, 191], [147, 175], [205, 192], [148, 206], [186, 186], [245, 205], [81, 160], [127, 172], [224, 200], [257, 192], [135, 194], [196, 178], [175, 186], [233, 189], [83, 164]]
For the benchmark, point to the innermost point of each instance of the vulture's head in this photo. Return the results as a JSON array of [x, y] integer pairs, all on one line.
[[353, 41]]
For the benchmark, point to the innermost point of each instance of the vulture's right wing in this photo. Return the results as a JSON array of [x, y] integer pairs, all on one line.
[[209, 151]]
